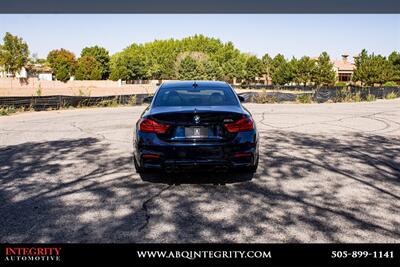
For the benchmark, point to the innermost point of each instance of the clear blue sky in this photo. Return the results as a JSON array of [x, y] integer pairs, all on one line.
[[292, 35]]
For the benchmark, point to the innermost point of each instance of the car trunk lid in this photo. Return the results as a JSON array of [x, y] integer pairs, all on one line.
[[196, 123]]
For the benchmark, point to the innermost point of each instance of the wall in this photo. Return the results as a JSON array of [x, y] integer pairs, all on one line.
[[30, 86]]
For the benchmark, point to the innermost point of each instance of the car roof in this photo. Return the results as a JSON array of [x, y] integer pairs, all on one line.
[[191, 84]]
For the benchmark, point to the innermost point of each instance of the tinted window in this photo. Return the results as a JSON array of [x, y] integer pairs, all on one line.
[[195, 97]]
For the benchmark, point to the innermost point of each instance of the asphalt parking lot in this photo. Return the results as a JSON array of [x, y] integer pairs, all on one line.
[[328, 173]]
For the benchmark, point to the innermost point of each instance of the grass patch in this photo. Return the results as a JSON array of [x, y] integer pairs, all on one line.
[[370, 98], [305, 98], [265, 98], [391, 95], [108, 103], [5, 111], [132, 100], [352, 97], [345, 95], [357, 97]]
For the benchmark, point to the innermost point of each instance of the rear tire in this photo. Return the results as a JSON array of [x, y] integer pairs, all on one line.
[[137, 167], [253, 168]]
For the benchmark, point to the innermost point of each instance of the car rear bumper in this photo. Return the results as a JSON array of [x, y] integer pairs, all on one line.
[[164, 160], [215, 158], [152, 153], [195, 165]]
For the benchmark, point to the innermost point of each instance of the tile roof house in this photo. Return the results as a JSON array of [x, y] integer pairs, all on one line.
[[344, 69]]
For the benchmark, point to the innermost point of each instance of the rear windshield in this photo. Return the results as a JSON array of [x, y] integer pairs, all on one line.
[[195, 97]]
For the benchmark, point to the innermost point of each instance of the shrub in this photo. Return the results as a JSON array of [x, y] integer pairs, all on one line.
[[391, 95], [341, 84], [264, 97], [4, 111], [132, 100], [356, 97], [305, 98], [370, 98], [391, 84], [108, 103], [343, 95]]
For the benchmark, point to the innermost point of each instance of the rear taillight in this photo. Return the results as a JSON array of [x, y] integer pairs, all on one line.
[[150, 126], [245, 124]]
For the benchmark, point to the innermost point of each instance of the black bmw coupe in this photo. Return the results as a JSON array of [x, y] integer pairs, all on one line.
[[195, 125]]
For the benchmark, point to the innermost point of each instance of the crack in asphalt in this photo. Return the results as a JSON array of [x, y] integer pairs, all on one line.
[[346, 174], [145, 208], [73, 124], [102, 136], [297, 125], [371, 116]]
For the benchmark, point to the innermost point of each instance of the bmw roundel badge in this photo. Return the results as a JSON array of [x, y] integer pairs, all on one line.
[[196, 119]]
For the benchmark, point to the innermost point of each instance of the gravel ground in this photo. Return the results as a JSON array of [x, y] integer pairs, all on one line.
[[328, 173]]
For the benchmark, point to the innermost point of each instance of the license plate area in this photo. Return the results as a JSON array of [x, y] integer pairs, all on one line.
[[196, 132]]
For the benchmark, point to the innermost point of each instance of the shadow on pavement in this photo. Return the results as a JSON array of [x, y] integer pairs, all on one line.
[[309, 188], [202, 177]]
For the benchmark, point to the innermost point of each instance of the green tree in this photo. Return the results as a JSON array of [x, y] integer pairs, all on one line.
[[394, 60], [190, 69], [118, 67], [197, 66], [234, 68], [213, 71], [162, 59], [324, 73], [277, 62], [253, 68], [304, 70], [360, 74], [281, 70], [129, 64], [14, 53], [88, 68], [160, 56], [102, 57], [266, 66], [201, 43], [63, 63], [372, 69], [231, 61]]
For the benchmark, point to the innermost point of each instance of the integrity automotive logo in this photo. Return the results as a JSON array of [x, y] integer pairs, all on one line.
[[32, 254]]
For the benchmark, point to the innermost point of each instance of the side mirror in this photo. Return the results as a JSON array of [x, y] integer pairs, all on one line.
[[241, 98], [148, 99]]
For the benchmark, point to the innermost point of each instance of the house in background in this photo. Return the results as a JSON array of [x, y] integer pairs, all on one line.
[[344, 69], [4, 73], [39, 71]]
